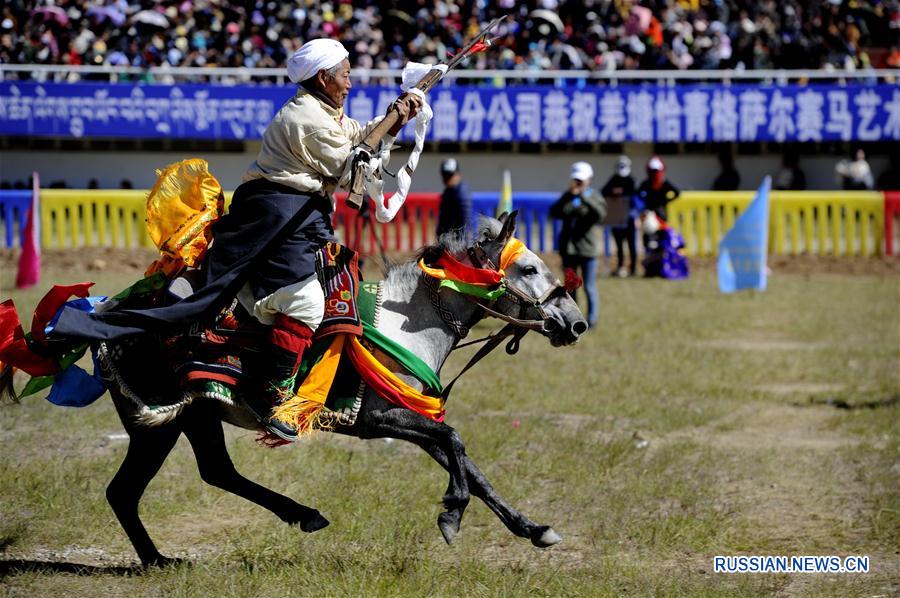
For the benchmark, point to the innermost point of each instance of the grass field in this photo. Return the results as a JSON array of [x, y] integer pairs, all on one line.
[[689, 424]]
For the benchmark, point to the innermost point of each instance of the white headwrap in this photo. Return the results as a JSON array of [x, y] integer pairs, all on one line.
[[313, 56]]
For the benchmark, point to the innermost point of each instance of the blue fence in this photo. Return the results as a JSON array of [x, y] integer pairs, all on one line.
[[578, 113], [14, 206], [535, 227]]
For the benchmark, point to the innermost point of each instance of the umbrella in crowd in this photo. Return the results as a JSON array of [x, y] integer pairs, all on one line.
[[101, 13], [151, 18], [52, 13], [549, 17]]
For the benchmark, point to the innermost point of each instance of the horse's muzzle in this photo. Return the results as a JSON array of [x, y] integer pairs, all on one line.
[[561, 331]]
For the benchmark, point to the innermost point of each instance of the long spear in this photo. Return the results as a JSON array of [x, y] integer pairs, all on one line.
[[368, 145]]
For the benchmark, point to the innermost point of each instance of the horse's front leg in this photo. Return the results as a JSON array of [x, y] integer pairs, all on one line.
[[541, 536], [203, 428], [147, 450], [404, 424]]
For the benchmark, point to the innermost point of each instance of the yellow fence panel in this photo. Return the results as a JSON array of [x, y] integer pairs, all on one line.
[[703, 217], [827, 222], [93, 218], [811, 222]]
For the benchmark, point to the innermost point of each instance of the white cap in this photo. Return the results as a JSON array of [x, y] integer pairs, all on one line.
[[449, 166], [313, 56], [649, 223], [582, 171], [655, 164]]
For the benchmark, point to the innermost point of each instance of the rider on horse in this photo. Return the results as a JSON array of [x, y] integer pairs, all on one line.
[[264, 248], [303, 158]]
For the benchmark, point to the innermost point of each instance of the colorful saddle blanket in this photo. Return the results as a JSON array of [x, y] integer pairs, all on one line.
[[218, 352]]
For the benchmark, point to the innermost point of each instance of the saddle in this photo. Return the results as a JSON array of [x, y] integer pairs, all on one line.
[[216, 358]]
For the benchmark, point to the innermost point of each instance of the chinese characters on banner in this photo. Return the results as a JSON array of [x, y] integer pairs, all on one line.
[[689, 113]]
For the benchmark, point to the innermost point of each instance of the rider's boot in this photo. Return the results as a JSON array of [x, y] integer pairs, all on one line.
[[288, 339]]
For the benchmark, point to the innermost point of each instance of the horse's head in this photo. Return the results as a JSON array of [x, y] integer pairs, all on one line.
[[533, 292]]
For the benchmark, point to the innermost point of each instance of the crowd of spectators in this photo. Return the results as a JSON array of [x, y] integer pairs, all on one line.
[[540, 34]]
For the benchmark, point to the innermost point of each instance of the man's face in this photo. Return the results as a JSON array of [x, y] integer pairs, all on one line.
[[577, 186], [337, 88]]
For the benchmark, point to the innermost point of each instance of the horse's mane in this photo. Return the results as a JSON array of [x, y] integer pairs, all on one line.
[[406, 274]]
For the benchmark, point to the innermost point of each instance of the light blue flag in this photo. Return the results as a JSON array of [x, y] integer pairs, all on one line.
[[743, 249]]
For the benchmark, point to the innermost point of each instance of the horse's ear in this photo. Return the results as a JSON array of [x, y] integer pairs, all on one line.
[[509, 226]]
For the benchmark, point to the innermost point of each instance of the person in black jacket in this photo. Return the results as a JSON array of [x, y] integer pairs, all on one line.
[[657, 192], [456, 203], [729, 179], [580, 209], [619, 193]]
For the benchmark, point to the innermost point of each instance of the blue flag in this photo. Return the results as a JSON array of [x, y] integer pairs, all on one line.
[[743, 249]]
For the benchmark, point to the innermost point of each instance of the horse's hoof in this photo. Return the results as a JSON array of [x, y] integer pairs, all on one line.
[[161, 562], [314, 523], [449, 526], [544, 536]]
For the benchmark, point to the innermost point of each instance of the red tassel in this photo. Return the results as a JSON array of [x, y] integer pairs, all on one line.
[[573, 281]]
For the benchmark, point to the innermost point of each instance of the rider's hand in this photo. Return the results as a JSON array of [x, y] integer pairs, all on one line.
[[406, 106]]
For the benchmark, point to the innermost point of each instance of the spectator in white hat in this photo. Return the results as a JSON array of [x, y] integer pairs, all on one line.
[[581, 209]]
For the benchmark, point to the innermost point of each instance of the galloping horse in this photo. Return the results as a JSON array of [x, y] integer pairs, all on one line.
[[424, 320]]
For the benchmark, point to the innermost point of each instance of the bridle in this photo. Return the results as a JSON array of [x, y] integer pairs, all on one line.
[[514, 294], [516, 327]]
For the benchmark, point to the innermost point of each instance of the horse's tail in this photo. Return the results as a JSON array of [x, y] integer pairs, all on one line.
[[7, 390]]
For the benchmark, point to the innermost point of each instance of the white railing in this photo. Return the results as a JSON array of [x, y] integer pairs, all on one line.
[[232, 75]]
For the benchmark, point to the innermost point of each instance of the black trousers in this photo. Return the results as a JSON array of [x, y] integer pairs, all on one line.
[[625, 234]]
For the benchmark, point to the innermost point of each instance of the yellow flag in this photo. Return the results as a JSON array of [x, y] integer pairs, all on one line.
[[505, 203]]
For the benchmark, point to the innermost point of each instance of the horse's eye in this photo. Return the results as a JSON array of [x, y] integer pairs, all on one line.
[[529, 271]]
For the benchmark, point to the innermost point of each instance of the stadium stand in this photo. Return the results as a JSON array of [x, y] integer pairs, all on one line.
[[547, 34]]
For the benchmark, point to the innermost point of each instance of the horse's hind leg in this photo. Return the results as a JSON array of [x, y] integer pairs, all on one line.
[[203, 428], [147, 450], [541, 536]]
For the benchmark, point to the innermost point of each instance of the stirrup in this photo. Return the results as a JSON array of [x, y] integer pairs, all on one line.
[[280, 429], [262, 411]]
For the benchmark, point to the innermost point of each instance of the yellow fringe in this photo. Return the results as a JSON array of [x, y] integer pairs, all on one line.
[[304, 415]]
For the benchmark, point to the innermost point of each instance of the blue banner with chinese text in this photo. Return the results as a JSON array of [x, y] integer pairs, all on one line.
[[583, 114]]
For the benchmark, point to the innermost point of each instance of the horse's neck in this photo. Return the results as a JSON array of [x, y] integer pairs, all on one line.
[[409, 317]]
